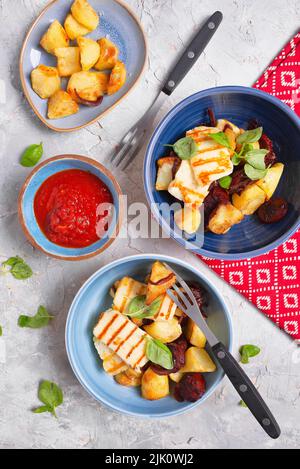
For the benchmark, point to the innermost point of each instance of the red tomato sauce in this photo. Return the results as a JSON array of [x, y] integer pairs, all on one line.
[[66, 207]]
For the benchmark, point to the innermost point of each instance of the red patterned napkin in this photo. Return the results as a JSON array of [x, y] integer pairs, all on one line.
[[272, 281]]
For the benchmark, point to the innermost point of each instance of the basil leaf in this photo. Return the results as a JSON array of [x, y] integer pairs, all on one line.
[[138, 309], [50, 395], [1, 331], [254, 174], [185, 148], [225, 182], [246, 148], [221, 138], [155, 306], [248, 351], [256, 158], [250, 136], [243, 404], [159, 353], [41, 319], [19, 269], [236, 159], [32, 155]]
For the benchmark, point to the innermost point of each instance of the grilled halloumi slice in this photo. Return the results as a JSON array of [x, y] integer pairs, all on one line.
[[223, 123], [212, 160], [123, 337], [165, 172], [112, 363], [167, 310], [127, 289], [185, 187]]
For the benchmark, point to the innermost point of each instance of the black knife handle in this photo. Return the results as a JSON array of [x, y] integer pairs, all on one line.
[[247, 391], [192, 53]]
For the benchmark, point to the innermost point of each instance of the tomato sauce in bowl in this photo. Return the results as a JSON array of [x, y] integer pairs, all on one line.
[[68, 208]]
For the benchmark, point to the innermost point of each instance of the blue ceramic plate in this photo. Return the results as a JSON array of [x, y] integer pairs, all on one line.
[[239, 105], [118, 23], [26, 206], [93, 298]]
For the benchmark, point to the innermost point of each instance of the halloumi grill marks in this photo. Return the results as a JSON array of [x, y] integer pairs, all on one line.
[[123, 337]]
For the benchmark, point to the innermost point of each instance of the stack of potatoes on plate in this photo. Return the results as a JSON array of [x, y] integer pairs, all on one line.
[[121, 341], [75, 63]]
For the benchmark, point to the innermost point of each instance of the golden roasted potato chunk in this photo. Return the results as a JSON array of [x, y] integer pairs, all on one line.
[[74, 29], [165, 172], [249, 200], [225, 216], [188, 219], [109, 54], [113, 364], [176, 377], [198, 361], [45, 81], [160, 280], [126, 379], [270, 182], [55, 37], [154, 386], [61, 105], [68, 61], [194, 334], [117, 78], [89, 52], [231, 138], [165, 331], [87, 86], [85, 14]]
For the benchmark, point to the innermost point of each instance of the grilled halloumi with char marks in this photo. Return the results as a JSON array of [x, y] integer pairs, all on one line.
[[123, 337], [127, 289], [185, 187], [112, 363], [167, 310]]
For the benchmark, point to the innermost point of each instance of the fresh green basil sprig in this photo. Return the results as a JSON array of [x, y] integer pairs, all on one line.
[[159, 353], [248, 351], [51, 396], [41, 319], [185, 148], [17, 267], [138, 309], [32, 155]]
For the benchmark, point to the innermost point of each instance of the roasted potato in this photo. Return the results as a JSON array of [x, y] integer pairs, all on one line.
[[194, 334], [249, 200], [109, 54], [165, 173], [89, 52], [113, 365], [224, 217], [154, 386], [87, 86], [231, 135], [165, 331], [55, 37], [198, 361], [188, 219], [61, 105], [74, 29], [223, 124], [45, 81], [126, 379], [176, 377], [117, 78], [68, 60], [270, 182], [161, 279], [85, 14]]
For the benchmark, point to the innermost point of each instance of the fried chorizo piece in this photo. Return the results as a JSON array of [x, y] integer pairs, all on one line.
[[216, 196], [191, 388], [178, 349]]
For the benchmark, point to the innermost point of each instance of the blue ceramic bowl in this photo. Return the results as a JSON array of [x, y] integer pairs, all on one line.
[[118, 23], [93, 298], [237, 104], [26, 206]]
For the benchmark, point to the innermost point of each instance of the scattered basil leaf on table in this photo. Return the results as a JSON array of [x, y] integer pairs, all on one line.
[[18, 268], [221, 138], [1, 331], [138, 309], [159, 353], [51, 396], [225, 182], [185, 148], [32, 155], [248, 351], [41, 319], [253, 173], [256, 158], [243, 404], [250, 136]]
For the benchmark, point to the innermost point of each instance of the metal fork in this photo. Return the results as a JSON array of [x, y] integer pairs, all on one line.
[[186, 301], [135, 138]]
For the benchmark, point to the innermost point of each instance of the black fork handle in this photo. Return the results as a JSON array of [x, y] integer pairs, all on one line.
[[247, 391]]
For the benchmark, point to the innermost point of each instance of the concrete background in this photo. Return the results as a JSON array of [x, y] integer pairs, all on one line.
[[252, 33]]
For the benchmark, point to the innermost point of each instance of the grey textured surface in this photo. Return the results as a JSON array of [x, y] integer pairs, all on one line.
[[252, 33]]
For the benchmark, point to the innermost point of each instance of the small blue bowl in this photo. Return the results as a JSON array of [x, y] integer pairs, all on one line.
[[26, 206], [118, 23], [94, 297], [239, 105]]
